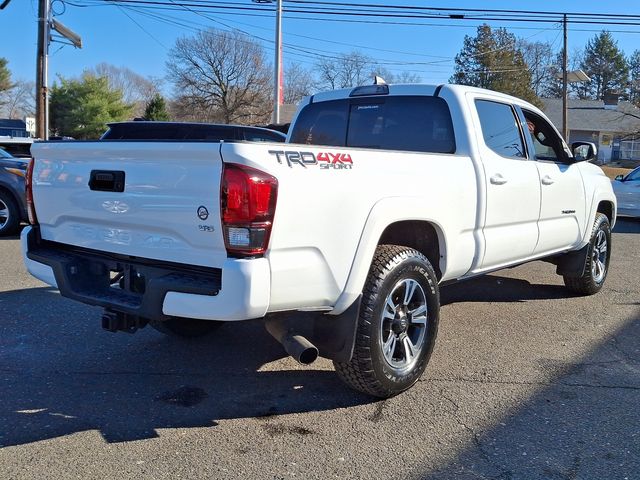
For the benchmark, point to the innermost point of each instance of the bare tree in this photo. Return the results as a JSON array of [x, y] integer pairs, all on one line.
[[328, 73], [390, 77], [298, 83], [136, 89], [539, 58], [347, 70], [19, 101], [221, 76]]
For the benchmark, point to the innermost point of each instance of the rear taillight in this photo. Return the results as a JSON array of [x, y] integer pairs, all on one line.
[[248, 203], [31, 208]]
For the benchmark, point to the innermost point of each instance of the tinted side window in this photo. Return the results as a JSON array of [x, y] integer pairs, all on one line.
[[547, 145], [500, 129], [168, 131], [323, 123], [633, 176], [20, 150], [419, 124], [262, 136]]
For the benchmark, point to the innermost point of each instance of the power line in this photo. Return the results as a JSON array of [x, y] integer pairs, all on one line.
[[406, 12], [310, 15], [142, 28], [376, 63], [316, 53]]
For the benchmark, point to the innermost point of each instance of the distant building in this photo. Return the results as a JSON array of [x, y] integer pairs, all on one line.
[[612, 125], [13, 128], [287, 111]]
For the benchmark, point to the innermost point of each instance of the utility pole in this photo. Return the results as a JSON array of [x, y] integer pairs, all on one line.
[[278, 70], [565, 100], [278, 90], [42, 101]]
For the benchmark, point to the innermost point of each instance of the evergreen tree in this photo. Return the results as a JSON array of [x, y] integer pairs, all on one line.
[[156, 109], [5, 75], [82, 107], [604, 62], [492, 60], [634, 77]]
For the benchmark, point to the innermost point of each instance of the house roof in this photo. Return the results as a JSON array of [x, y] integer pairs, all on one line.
[[590, 115], [11, 123]]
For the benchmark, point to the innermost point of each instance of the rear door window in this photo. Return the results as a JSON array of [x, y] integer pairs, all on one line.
[[419, 124], [500, 128]]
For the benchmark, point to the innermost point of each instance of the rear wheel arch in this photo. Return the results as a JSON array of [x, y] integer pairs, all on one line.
[[421, 235], [383, 227]]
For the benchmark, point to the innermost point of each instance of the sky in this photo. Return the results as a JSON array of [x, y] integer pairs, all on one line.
[[141, 39]]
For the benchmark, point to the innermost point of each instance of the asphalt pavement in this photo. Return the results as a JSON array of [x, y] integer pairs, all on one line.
[[526, 382]]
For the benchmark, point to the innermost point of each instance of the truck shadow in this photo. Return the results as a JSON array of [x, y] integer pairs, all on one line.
[[581, 422], [627, 225], [61, 374], [496, 288]]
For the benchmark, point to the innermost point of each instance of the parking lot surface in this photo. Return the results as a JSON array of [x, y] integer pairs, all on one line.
[[526, 382]]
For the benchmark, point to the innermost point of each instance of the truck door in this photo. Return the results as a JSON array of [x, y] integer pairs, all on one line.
[[512, 186], [563, 207]]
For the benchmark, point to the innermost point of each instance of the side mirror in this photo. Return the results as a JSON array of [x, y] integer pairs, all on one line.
[[619, 178], [584, 151]]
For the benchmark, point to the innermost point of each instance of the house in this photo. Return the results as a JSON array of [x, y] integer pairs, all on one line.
[[13, 128], [612, 125]]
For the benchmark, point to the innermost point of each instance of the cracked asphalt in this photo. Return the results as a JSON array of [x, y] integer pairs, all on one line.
[[526, 382]]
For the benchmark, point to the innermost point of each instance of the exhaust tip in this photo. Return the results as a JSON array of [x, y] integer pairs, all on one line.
[[308, 356], [301, 349]]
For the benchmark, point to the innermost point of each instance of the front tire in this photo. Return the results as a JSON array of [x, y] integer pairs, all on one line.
[[598, 256], [397, 326], [185, 327]]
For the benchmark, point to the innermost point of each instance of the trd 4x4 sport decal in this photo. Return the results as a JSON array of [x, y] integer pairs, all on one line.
[[326, 160]]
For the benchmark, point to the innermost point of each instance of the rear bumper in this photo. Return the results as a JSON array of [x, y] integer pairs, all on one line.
[[152, 289]]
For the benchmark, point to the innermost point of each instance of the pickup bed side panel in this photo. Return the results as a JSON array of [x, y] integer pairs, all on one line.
[[324, 205]]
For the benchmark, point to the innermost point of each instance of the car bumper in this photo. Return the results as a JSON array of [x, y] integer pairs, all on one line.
[[240, 290]]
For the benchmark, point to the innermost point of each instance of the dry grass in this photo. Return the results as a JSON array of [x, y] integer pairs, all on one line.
[[612, 172]]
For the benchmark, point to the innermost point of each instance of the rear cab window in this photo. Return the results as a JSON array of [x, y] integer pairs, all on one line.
[[410, 123]]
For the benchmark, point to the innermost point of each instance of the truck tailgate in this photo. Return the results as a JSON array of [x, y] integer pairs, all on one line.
[[168, 209]]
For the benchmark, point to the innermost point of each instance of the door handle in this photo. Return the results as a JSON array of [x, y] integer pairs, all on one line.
[[547, 180], [498, 179]]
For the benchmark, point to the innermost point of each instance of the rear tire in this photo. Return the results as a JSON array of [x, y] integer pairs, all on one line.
[[598, 256], [185, 327], [9, 214], [397, 326]]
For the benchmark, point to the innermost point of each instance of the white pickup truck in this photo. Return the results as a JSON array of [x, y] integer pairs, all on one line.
[[339, 238]]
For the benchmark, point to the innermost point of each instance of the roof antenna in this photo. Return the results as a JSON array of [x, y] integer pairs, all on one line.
[[378, 80]]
